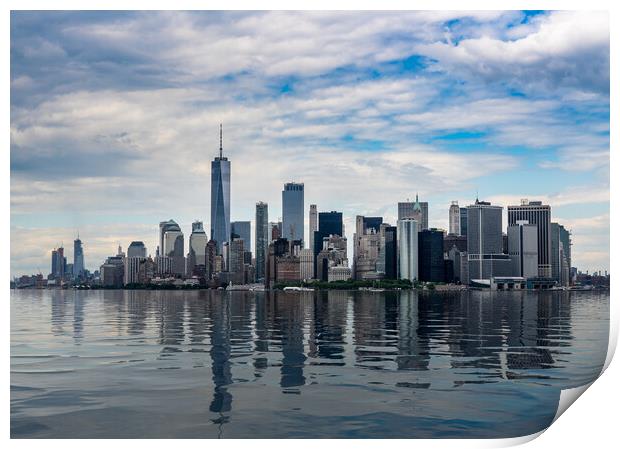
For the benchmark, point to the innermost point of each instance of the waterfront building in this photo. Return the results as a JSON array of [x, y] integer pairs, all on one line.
[[293, 211], [416, 210], [460, 265], [78, 258], [454, 216], [313, 220], [220, 198], [282, 264], [523, 249], [484, 242], [261, 239], [306, 264], [135, 270], [333, 253], [242, 229], [408, 248], [431, 265], [136, 249], [539, 214], [113, 270], [463, 217], [163, 227], [338, 273], [164, 265]]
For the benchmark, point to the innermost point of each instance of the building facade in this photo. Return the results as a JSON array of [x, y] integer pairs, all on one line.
[[408, 249], [484, 242], [242, 229], [261, 239], [78, 258], [416, 210], [313, 225], [523, 249], [539, 214], [293, 211], [431, 266], [454, 218]]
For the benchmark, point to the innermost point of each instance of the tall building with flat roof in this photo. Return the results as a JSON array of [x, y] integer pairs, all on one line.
[[431, 266], [293, 211], [220, 198], [136, 249], [484, 242], [330, 223], [197, 256], [408, 249], [539, 214], [523, 249], [261, 238]]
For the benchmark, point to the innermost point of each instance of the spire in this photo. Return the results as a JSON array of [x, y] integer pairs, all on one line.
[[220, 141]]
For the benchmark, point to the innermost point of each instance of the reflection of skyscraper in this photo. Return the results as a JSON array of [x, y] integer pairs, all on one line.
[[293, 211], [262, 238], [78, 258], [220, 357], [220, 198]]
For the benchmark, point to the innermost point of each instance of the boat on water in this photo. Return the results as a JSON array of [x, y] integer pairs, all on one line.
[[298, 289]]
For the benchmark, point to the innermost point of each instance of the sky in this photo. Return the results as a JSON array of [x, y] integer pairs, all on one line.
[[115, 119]]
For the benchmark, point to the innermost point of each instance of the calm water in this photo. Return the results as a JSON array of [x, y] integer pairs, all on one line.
[[338, 364]]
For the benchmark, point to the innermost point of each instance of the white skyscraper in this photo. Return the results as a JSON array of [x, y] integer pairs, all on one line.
[[455, 219], [408, 248], [313, 224]]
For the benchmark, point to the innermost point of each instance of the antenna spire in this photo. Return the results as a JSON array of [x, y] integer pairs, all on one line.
[[220, 141]]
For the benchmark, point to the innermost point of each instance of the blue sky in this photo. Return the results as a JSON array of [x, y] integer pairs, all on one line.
[[114, 119]]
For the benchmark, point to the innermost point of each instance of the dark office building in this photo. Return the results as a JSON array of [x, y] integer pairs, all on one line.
[[391, 253], [431, 267]]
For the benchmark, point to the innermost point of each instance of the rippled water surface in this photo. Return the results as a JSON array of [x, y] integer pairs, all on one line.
[[327, 364]]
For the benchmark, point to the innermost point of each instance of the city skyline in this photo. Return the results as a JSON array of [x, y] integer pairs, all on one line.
[[115, 153]]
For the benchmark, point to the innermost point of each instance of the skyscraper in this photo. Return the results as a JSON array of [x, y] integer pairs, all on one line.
[[136, 249], [560, 254], [408, 248], [390, 252], [293, 211], [197, 262], [455, 219], [173, 247], [330, 223], [536, 213], [523, 249], [243, 230], [262, 238], [431, 266], [163, 227], [78, 258], [220, 198], [313, 225], [416, 210], [484, 242]]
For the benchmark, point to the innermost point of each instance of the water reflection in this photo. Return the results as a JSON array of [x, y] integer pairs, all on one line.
[[236, 349]]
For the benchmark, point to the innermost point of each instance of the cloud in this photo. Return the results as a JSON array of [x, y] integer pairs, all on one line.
[[565, 48]]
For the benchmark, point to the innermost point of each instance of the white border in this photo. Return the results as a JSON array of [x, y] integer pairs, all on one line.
[[590, 422]]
